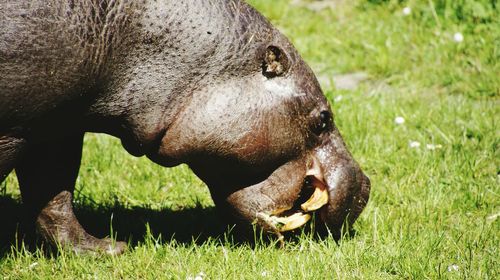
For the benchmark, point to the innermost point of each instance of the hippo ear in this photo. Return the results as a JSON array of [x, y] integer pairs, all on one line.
[[275, 62]]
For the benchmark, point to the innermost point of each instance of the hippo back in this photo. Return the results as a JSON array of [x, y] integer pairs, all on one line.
[[51, 53]]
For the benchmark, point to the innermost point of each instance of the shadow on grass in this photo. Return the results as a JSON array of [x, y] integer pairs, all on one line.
[[184, 226]]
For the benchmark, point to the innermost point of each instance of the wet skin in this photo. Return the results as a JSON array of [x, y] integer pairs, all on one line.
[[208, 83]]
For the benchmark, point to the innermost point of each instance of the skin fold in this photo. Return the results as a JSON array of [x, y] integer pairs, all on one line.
[[208, 83]]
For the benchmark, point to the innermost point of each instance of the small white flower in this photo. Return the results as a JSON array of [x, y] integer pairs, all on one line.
[[453, 267], [433, 147], [338, 98], [458, 37], [264, 273], [406, 11], [414, 144], [399, 120], [33, 265], [493, 217], [200, 276]]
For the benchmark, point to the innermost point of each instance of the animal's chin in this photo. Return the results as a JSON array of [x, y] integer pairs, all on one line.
[[313, 197], [132, 146]]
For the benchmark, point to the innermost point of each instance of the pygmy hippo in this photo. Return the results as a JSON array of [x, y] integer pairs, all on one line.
[[209, 83]]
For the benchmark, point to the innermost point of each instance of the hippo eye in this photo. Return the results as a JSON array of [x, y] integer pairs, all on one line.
[[275, 63], [325, 121], [325, 118]]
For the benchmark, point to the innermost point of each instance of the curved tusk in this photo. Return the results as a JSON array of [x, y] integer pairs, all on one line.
[[318, 198], [293, 222]]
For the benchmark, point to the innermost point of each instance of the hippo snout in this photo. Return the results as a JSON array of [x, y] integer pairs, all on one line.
[[332, 187], [348, 194]]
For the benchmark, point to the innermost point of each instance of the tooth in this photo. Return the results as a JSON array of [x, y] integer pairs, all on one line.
[[318, 198], [280, 210], [292, 222], [315, 169]]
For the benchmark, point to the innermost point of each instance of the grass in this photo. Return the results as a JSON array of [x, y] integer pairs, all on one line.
[[432, 214]]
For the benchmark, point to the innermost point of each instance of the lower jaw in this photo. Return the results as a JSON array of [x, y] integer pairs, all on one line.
[[288, 220]]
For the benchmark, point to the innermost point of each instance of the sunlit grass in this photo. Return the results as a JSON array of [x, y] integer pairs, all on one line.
[[433, 213]]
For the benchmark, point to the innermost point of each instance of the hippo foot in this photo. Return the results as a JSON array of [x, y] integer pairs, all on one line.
[[95, 245], [58, 225]]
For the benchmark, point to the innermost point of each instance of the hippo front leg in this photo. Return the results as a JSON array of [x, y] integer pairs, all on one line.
[[47, 175], [11, 149]]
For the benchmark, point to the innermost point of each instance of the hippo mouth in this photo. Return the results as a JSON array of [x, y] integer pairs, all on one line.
[[296, 216]]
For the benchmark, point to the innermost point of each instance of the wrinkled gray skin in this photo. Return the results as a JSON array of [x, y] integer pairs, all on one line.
[[184, 81]]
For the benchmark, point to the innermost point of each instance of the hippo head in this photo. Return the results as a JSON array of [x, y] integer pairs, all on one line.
[[256, 128]]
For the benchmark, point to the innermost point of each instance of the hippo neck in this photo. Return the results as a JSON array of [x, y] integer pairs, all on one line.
[[171, 50]]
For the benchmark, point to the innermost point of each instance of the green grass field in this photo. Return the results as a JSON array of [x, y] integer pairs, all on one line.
[[434, 209]]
